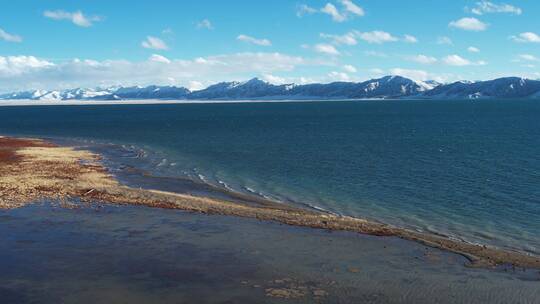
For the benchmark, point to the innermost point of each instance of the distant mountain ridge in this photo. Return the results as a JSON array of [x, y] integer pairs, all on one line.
[[388, 87]]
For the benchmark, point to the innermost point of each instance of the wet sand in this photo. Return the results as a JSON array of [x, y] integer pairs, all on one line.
[[33, 169]]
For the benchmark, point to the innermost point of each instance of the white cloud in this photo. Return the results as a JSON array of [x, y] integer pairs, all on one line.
[[444, 40], [338, 76], [347, 11], [77, 17], [411, 74], [326, 49], [352, 8], [27, 72], [304, 10], [410, 39], [12, 66], [331, 10], [205, 24], [473, 49], [154, 43], [273, 79], [469, 24], [485, 7], [528, 57], [9, 37], [423, 59], [194, 85], [249, 39], [526, 37], [347, 39], [375, 54], [349, 68], [159, 58], [377, 37], [456, 60]]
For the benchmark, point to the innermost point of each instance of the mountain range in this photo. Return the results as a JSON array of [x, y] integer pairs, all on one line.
[[388, 87]]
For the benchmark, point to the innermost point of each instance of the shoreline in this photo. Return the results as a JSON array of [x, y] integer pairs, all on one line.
[[33, 169]]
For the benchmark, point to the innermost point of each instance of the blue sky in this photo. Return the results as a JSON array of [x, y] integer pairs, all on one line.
[[60, 44]]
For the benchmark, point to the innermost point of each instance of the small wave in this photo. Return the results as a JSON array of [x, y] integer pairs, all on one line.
[[225, 185], [162, 163]]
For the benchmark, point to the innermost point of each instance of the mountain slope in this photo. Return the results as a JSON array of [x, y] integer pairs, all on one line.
[[383, 88], [509, 87]]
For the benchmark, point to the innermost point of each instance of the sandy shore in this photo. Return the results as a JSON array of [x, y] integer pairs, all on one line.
[[33, 169]]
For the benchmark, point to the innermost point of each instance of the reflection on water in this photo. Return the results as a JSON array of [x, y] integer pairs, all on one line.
[[112, 254]]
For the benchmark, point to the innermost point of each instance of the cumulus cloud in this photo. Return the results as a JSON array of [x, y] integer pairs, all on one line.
[[14, 66], [273, 79], [410, 39], [528, 57], [332, 10], [154, 43], [249, 39], [205, 24], [9, 37], [348, 9], [352, 8], [28, 72], [347, 39], [423, 59], [443, 40], [349, 68], [456, 60], [159, 58], [194, 85], [77, 17], [377, 37], [485, 7], [473, 49], [326, 49], [338, 76], [526, 37], [469, 24], [412, 74], [304, 9]]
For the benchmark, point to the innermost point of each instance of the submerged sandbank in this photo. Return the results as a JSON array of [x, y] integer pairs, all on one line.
[[33, 169]]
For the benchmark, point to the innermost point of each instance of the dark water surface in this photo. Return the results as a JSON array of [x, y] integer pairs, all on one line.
[[466, 169], [128, 254]]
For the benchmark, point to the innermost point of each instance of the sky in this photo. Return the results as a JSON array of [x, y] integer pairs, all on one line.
[[61, 44]]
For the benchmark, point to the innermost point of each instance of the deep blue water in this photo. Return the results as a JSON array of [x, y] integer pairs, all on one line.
[[465, 169]]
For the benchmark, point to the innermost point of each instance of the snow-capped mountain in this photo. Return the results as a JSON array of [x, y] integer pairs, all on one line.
[[509, 87], [254, 88], [383, 88], [386, 87]]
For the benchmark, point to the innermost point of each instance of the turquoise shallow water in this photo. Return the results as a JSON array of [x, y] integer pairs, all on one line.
[[466, 169]]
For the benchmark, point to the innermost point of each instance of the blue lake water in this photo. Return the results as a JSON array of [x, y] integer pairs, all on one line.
[[465, 169]]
